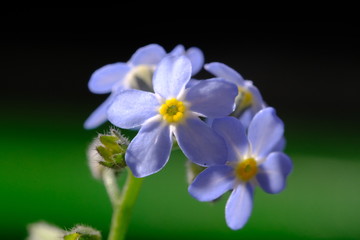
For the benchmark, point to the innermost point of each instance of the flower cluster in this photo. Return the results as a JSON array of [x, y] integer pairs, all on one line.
[[221, 124]]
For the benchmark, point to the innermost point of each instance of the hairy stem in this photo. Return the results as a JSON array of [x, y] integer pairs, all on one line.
[[111, 186], [123, 207]]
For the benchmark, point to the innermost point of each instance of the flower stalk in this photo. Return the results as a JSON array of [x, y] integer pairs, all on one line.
[[123, 207]]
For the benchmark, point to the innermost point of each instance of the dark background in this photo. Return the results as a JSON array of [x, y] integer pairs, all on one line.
[[308, 71], [300, 67]]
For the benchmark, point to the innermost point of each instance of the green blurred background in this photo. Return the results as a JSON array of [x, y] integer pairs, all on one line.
[[311, 76]]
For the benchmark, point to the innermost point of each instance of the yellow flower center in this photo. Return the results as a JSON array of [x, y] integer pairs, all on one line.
[[172, 110], [243, 100], [246, 169], [246, 97]]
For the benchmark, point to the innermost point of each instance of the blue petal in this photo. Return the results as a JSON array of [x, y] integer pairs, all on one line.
[[192, 82], [149, 55], [273, 172], [234, 135], [265, 131], [223, 71], [212, 98], [99, 116], [149, 151], [212, 183], [280, 146], [200, 143], [171, 76], [239, 206], [131, 108], [103, 79], [196, 57], [178, 50], [246, 117]]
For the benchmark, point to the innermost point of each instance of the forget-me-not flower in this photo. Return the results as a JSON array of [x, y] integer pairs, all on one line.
[[194, 54], [173, 111], [134, 74], [253, 159], [249, 100]]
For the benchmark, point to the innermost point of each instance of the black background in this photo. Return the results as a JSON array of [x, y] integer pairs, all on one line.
[[303, 69]]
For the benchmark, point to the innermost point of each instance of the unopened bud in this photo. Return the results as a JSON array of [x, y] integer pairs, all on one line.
[[44, 231], [81, 232], [107, 151], [94, 160]]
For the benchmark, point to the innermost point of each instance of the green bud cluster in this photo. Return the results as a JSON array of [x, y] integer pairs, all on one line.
[[112, 148], [81, 232]]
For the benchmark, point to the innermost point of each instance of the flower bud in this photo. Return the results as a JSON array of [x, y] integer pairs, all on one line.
[[93, 160], [81, 232], [44, 231], [107, 151]]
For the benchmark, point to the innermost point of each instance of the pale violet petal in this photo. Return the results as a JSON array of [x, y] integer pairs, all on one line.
[[239, 206], [223, 71], [178, 50], [234, 135], [99, 116], [131, 108], [200, 143], [212, 98], [149, 151], [273, 172], [171, 76], [148, 55], [103, 79], [193, 82], [265, 131], [280, 146], [246, 117], [196, 57], [213, 182]]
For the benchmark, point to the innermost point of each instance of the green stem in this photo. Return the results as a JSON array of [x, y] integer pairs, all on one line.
[[123, 207], [111, 186]]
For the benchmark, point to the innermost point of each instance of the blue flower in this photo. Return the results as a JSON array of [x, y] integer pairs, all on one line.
[[134, 74], [194, 54], [249, 100], [173, 110], [252, 160]]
